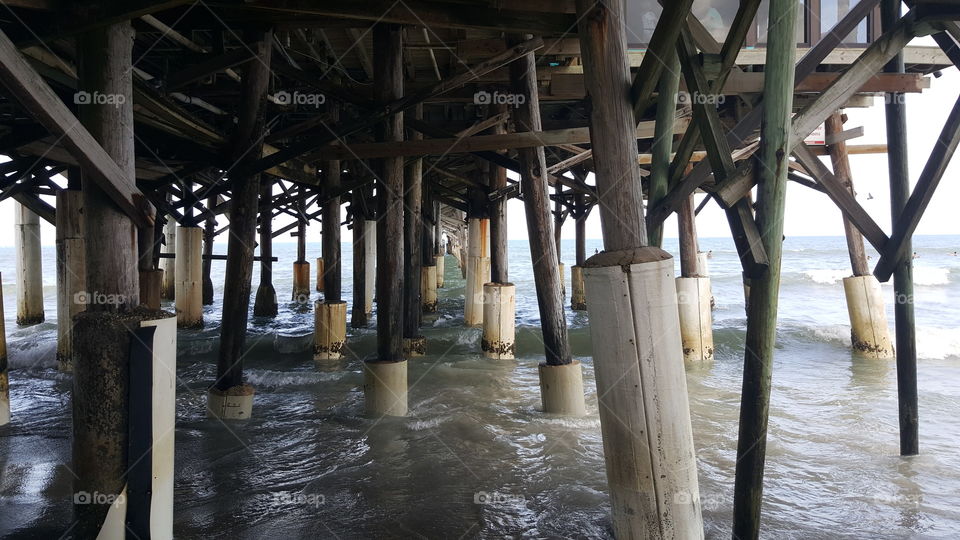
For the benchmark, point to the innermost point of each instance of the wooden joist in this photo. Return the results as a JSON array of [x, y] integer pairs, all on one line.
[[36, 96], [211, 66]]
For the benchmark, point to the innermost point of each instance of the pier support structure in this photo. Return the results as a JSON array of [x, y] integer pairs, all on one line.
[[168, 265], [71, 272], [694, 294], [869, 333], [500, 303], [330, 313], [230, 398], [123, 382], [209, 234], [578, 293], [358, 213], [478, 269], [265, 301], [633, 310], [189, 272], [414, 343], [301, 267], [4, 376], [774, 153], [385, 377], [561, 377], [904, 320], [29, 270]]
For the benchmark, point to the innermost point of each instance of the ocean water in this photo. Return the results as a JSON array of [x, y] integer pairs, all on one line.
[[476, 457]]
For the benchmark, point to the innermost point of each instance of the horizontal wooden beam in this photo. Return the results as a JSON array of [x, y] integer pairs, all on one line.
[[210, 66], [33, 93], [476, 143]]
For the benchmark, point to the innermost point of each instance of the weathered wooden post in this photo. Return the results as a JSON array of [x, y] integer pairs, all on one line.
[[229, 397], [477, 262], [151, 277], [765, 287], [358, 210], [168, 265], [905, 323], [71, 270], [578, 293], [265, 302], [869, 334], [694, 294], [330, 313], [500, 307], [385, 377], [561, 378], [437, 239], [428, 273], [414, 343], [558, 219], [633, 312], [29, 270], [209, 234], [189, 277], [301, 267], [4, 377], [124, 355], [371, 261]]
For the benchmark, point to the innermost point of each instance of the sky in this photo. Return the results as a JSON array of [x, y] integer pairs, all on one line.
[[808, 212]]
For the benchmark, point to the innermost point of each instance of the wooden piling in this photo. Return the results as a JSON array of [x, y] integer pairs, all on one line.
[[358, 315], [761, 336], [906, 336], [265, 302], [869, 335], [412, 239], [633, 311], [102, 334], [29, 270], [71, 272], [536, 203], [687, 230], [167, 265], [499, 260], [247, 145], [385, 378], [561, 389], [332, 267], [209, 233]]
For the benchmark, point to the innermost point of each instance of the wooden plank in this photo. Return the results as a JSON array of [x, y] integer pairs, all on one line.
[[930, 177], [39, 99]]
